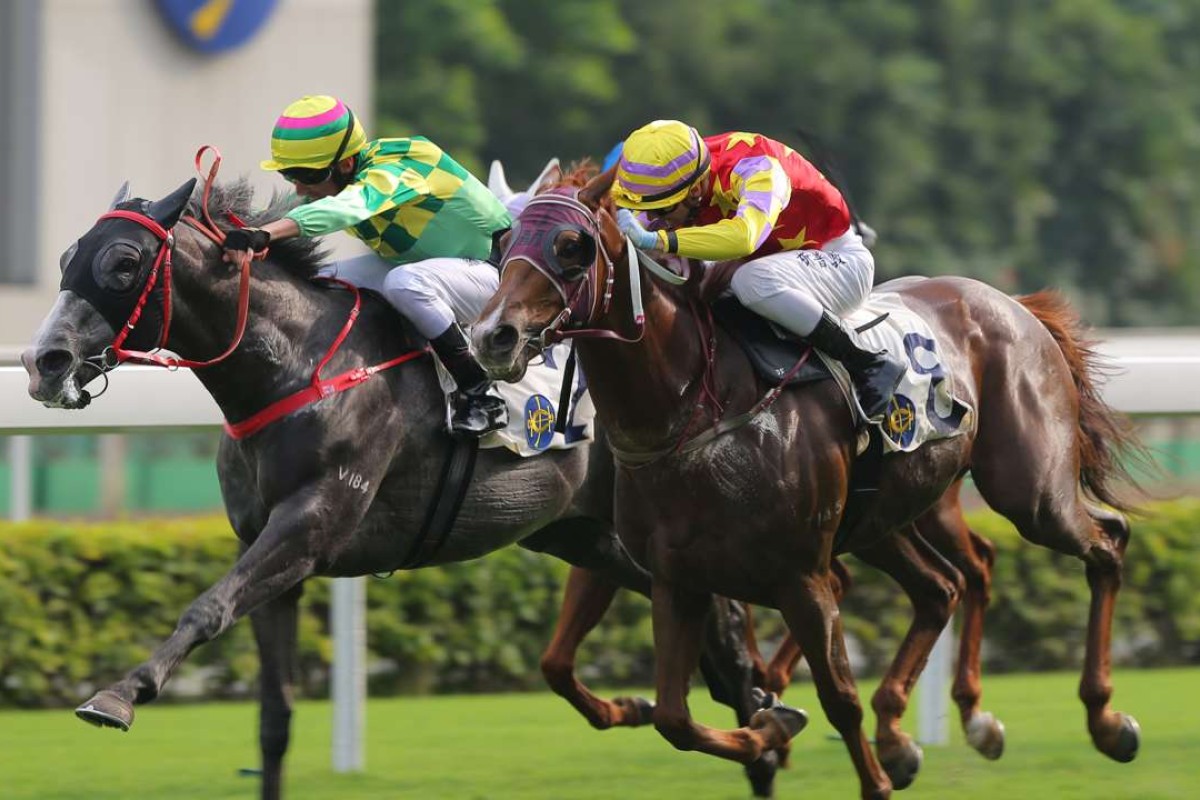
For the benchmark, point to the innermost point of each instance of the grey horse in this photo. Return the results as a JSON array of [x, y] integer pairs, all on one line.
[[340, 487]]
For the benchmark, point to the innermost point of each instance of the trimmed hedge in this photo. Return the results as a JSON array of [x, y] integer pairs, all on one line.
[[80, 603]]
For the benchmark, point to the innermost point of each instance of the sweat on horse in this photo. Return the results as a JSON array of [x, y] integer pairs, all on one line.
[[753, 514], [341, 486]]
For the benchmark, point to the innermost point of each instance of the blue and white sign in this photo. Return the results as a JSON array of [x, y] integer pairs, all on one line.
[[213, 26]]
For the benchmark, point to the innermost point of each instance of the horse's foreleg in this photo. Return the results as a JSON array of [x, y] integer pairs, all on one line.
[[728, 669], [813, 618], [587, 597], [275, 625], [679, 623], [283, 555], [933, 586], [758, 665], [778, 674]]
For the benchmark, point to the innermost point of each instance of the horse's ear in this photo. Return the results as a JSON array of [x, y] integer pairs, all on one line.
[[550, 175], [166, 212], [498, 183], [610, 233], [597, 187], [120, 197]]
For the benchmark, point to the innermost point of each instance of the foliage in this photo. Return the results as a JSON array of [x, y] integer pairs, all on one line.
[[1025, 143], [81, 602]]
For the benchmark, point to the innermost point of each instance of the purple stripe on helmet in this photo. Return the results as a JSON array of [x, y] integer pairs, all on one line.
[[656, 171]]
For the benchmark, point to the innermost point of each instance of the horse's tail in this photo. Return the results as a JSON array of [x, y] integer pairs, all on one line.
[[1108, 445]]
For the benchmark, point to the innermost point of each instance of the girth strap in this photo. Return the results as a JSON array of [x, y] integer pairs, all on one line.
[[457, 471]]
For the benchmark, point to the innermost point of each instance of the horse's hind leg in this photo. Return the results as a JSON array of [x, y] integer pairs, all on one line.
[[1051, 513], [933, 586], [944, 527], [275, 625], [1115, 734], [587, 597]]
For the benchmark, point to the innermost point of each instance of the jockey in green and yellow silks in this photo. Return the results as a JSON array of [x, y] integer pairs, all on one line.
[[744, 196], [429, 221]]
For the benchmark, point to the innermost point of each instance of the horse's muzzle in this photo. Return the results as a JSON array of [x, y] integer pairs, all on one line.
[[499, 349], [52, 381]]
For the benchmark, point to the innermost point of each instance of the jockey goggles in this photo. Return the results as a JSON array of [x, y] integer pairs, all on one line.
[[311, 176]]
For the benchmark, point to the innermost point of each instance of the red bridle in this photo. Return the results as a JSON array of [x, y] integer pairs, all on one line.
[[162, 267], [318, 387]]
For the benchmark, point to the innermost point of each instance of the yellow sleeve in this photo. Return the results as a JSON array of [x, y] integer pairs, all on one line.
[[762, 189]]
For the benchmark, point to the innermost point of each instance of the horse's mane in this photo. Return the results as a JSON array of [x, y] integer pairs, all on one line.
[[299, 255], [578, 175]]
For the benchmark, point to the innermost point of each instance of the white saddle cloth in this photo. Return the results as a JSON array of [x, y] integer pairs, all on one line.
[[924, 407], [533, 408]]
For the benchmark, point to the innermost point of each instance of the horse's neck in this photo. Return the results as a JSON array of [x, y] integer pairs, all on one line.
[[274, 358], [645, 392]]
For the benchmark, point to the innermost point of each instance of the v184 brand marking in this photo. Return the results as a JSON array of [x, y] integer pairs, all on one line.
[[353, 479]]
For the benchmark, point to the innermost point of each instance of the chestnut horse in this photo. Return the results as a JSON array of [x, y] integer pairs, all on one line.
[[752, 511]]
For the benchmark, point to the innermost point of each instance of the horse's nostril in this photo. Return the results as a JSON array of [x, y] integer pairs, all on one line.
[[504, 337], [52, 363]]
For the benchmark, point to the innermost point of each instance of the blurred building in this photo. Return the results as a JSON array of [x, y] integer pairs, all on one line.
[[96, 92]]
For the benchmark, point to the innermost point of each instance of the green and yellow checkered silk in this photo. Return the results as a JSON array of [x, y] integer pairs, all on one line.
[[409, 201]]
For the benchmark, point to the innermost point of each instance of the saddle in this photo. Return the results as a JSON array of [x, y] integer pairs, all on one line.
[[772, 355]]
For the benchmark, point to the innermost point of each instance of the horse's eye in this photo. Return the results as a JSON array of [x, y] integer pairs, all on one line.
[[117, 267], [568, 247]]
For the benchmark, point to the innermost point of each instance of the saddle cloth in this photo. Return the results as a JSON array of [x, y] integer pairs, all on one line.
[[533, 407], [924, 407]]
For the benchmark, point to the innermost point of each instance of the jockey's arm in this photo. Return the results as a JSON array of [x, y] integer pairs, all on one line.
[[374, 193], [763, 193], [378, 191]]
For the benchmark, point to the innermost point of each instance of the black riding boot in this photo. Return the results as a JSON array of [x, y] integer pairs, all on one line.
[[875, 375], [476, 412]]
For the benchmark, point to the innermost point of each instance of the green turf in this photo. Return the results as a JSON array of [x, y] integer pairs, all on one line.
[[533, 746]]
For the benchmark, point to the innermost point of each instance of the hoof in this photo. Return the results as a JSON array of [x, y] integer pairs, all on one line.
[[106, 710], [635, 711], [761, 774], [1128, 738], [902, 763], [785, 720], [986, 734]]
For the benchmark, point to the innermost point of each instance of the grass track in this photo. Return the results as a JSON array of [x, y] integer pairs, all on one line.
[[534, 746]]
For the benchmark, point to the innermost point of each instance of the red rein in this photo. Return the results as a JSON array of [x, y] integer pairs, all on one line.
[[317, 388]]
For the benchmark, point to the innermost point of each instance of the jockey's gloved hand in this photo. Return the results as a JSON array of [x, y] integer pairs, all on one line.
[[242, 239], [642, 239]]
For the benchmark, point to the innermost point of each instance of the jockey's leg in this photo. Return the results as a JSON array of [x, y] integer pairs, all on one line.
[[806, 291], [439, 295]]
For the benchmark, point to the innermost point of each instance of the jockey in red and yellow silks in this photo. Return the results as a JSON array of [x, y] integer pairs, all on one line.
[[744, 196]]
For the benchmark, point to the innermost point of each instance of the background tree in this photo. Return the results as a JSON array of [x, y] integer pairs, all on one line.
[[1024, 143]]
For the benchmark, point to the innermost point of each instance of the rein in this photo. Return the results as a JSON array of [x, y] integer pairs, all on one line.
[[162, 266], [317, 389]]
